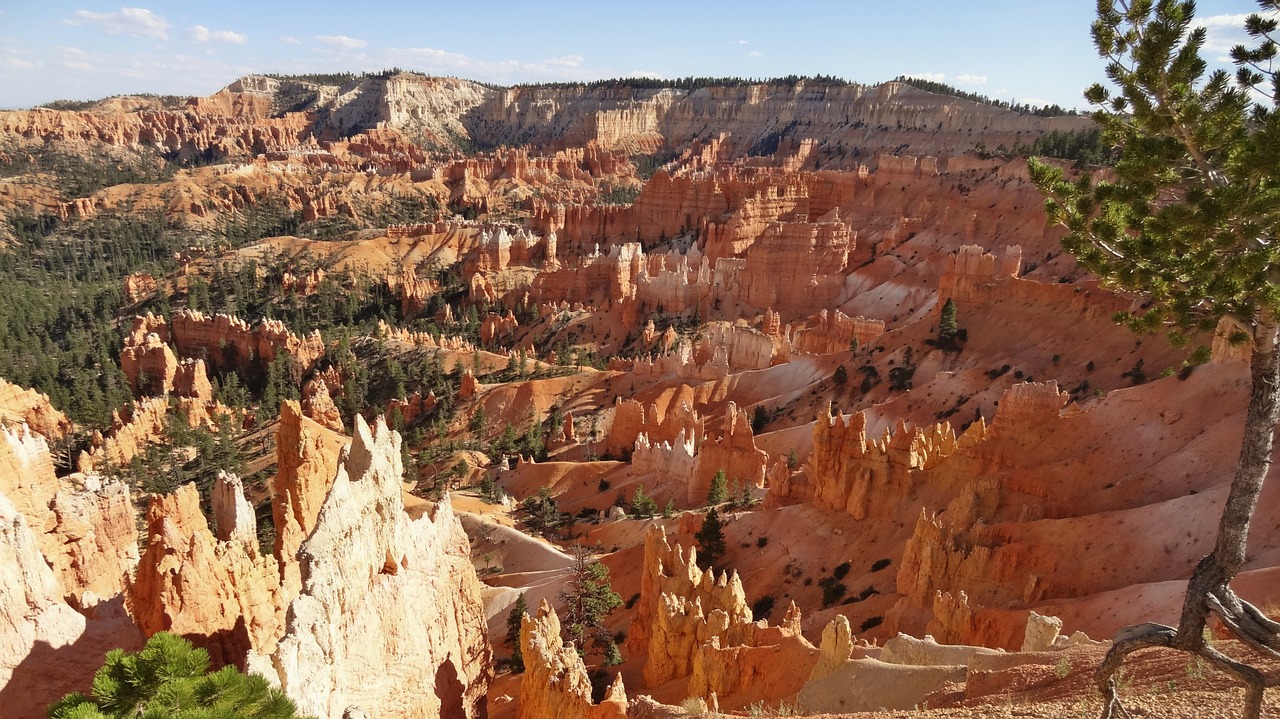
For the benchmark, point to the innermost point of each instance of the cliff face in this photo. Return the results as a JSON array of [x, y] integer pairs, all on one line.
[[47, 649], [367, 629], [638, 120], [84, 526], [227, 342]]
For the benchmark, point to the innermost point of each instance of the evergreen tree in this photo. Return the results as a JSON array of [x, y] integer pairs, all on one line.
[[588, 599], [947, 326], [840, 376], [1191, 220], [710, 539], [514, 617], [719, 490], [167, 678], [642, 505]]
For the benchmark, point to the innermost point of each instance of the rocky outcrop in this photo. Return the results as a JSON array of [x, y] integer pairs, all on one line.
[[497, 327], [734, 453], [139, 286], [227, 342], [680, 606], [33, 409], [389, 619], [555, 683], [306, 464], [318, 406], [47, 649], [222, 595], [93, 545], [831, 332], [868, 477], [401, 412], [150, 366], [130, 433], [84, 526]]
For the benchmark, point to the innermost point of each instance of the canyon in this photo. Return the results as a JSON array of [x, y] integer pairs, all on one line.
[[480, 325]]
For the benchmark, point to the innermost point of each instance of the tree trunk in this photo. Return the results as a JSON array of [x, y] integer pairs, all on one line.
[[1229, 551], [1208, 589]]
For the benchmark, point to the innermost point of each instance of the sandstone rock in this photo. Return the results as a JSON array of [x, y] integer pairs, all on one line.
[[367, 629], [227, 342], [84, 527], [868, 685], [149, 366], [306, 462], [138, 286], [233, 516], [555, 683], [836, 647], [222, 595], [130, 434], [906, 649], [468, 386], [317, 405], [93, 546], [680, 607], [33, 408], [47, 649]]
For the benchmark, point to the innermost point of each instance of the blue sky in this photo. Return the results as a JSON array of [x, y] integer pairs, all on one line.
[[1035, 51]]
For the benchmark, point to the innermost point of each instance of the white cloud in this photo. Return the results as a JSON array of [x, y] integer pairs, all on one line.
[[967, 79], [444, 62], [340, 42], [930, 76], [742, 42], [18, 63], [647, 73], [290, 40], [1224, 32], [202, 34], [755, 53], [566, 61], [132, 21], [73, 58]]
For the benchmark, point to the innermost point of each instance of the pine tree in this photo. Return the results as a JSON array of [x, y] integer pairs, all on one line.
[[168, 678], [719, 490], [710, 539], [588, 599], [514, 617], [840, 376], [947, 326], [642, 505], [1191, 221]]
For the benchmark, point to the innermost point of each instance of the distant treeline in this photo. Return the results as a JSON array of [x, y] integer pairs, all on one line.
[[169, 102], [692, 83], [318, 78], [941, 88]]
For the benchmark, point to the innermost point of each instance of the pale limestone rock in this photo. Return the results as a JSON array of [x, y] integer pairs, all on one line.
[[867, 685], [390, 618], [906, 649], [1042, 633], [836, 647]]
